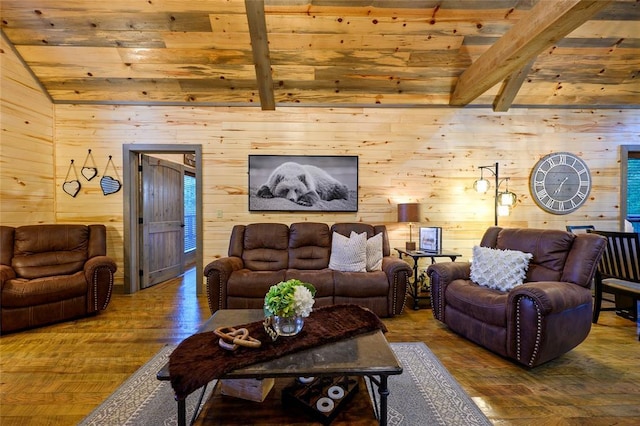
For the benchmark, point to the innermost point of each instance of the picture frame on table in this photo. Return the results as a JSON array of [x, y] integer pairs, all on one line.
[[431, 239], [316, 183]]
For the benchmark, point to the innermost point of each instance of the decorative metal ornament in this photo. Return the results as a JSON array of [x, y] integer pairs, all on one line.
[[89, 172], [71, 187], [109, 184]]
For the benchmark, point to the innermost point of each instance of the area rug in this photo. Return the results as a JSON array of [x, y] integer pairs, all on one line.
[[424, 394]]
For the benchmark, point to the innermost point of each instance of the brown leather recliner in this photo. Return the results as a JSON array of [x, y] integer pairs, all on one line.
[[51, 273], [537, 321], [263, 254]]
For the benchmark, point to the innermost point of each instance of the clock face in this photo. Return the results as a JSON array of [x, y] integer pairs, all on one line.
[[560, 183]]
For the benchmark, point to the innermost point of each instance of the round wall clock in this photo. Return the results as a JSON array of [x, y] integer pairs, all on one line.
[[560, 182]]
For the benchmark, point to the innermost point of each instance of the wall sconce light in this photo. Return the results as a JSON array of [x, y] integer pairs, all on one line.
[[409, 212], [503, 201], [481, 185], [507, 198]]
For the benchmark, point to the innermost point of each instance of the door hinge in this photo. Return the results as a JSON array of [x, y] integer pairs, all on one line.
[[140, 273], [139, 167], [140, 221]]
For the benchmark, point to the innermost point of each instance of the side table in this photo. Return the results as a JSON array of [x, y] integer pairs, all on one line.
[[417, 255]]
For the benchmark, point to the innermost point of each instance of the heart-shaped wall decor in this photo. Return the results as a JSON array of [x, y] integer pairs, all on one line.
[[110, 185], [89, 172], [72, 187]]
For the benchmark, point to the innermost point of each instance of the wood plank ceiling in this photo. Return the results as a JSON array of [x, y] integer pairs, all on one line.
[[404, 53]]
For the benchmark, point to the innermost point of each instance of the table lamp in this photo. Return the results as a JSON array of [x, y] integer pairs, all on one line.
[[409, 212]]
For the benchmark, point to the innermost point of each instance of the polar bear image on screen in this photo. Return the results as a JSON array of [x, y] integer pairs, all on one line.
[[302, 184]]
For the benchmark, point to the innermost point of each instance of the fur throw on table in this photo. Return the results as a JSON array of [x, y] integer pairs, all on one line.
[[199, 359]]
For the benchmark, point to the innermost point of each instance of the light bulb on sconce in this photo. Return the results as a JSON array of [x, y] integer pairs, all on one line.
[[504, 210], [507, 199], [481, 185]]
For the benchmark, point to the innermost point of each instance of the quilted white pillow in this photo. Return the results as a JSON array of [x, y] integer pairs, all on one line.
[[374, 252], [348, 254], [499, 269]]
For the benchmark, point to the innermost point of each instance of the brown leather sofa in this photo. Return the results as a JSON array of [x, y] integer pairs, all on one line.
[[537, 321], [51, 273], [263, 254]]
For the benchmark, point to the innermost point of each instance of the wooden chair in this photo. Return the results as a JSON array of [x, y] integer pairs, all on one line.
[[618, 274]]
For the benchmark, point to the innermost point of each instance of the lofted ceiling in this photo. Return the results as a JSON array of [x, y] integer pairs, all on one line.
[[404, 53]]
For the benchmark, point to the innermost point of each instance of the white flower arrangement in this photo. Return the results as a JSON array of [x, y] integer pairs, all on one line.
[[290, 298]]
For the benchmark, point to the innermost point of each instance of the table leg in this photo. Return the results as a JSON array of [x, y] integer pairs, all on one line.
[[415, 285], [182, 412], [383, 391], [182, 409]]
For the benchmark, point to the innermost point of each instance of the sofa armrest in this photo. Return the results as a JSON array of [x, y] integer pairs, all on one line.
[[545, 319], [550, 297], [217, 274], [6, 273], [393, 266], [398, 272], [440, 276], [99, 272]]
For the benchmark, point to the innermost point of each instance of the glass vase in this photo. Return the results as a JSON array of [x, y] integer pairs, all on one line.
[[288, 326]]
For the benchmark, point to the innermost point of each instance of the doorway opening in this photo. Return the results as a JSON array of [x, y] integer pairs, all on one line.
[[138, 255], [630, 187]]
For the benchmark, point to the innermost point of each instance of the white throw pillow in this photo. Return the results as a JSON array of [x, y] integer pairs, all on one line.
[[374, 253], [348, 254], [499, 269]]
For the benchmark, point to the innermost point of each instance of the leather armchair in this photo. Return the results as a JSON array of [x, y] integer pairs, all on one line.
[[51, 273], [537, 321]]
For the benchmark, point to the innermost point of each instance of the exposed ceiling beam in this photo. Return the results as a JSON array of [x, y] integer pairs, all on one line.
[[510, 87], [260, 49], [546, 23]]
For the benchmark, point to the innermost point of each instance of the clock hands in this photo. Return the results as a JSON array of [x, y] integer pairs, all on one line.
[[560, 186]]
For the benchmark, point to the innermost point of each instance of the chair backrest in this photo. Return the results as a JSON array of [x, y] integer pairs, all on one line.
[[262, 246], [48, 250], [557, 255], [303, 245], [579, 229], [309, 246], [621, 258]]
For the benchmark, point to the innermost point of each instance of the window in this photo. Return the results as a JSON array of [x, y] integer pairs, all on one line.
[[189, 213], [633, 190], [630, 185]]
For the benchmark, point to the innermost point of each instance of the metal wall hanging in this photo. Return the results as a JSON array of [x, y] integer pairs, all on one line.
[[87, 171], [71, 187], [109, 184]]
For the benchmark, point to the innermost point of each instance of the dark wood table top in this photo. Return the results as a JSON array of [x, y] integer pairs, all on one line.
[[367, 354]]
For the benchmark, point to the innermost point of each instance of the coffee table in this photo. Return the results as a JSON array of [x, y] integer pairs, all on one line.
[[367, 355]]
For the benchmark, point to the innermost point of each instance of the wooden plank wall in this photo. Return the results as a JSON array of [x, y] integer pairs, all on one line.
[[26, 146], [424, 155]]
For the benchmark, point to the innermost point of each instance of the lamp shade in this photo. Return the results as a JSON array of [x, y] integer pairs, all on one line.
[[507, 198], [409, 212], [481, 185]]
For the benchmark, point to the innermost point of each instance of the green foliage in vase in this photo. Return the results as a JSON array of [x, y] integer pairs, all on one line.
[[290, 298]]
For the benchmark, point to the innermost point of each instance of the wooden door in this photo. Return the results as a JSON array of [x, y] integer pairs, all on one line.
[[162, 235]]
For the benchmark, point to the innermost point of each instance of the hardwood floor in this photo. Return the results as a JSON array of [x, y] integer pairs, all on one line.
[[56, 375]]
